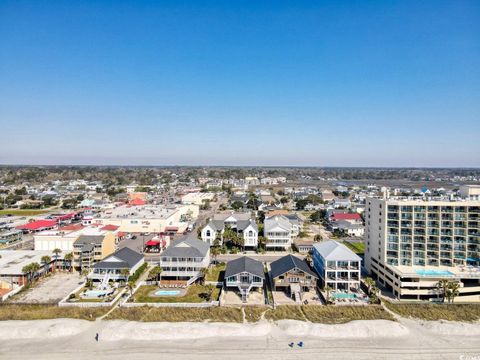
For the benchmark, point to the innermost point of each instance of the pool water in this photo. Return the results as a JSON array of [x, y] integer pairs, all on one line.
[[434, 272], [344, 296], [167, 292]]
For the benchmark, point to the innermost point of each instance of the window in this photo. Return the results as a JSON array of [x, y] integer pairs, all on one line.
[[208, 233]]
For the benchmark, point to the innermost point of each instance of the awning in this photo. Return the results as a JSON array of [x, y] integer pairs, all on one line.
[[152, 243]]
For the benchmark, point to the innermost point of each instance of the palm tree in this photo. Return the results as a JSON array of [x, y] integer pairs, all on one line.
[[27, 270], [35, 267], [130, 287], [203, 275], [442, 287], [215, 251], [328, 290], [68, 258], [125, 273], [155, 273], [453, 291], [85, 271], [56, 251], [370, 283], [46, 260]]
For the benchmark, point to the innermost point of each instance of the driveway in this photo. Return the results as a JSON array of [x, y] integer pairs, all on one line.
[[50, 289]]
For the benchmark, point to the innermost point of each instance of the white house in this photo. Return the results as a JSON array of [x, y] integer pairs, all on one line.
[[239, 222], [185, 259], [278, 231]]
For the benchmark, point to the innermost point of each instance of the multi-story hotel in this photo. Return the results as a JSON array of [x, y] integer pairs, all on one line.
[[413, 244]]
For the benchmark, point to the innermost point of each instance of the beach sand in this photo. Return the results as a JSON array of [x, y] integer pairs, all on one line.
[[376, 339]]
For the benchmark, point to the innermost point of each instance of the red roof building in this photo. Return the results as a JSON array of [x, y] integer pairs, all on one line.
[[110, 227], [136, 202], [38, 225], [346, 217]]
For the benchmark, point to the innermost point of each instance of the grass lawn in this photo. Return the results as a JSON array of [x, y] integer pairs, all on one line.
[[193, 295], [452, 312], [41, 312], [216, 273], [356, 247], [174, 314], [24, 212]]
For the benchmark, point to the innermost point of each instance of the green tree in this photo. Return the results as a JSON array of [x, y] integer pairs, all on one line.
[[56, 253], [155, 273], [46, 260], [69, 259]]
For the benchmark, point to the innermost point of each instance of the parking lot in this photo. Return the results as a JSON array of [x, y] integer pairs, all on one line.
[[50, 289]]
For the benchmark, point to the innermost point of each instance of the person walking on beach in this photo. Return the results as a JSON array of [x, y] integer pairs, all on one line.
[[96, 337]]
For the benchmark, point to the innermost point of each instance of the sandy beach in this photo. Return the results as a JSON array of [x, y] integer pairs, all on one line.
[[377, 339]]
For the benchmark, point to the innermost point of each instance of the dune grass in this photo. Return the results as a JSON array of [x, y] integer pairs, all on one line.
[[285, 312], [344, 314], [253, 314], [177, 314], [41, 312], [433, 312]]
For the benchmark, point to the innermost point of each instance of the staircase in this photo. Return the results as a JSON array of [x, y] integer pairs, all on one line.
[[104, 283]]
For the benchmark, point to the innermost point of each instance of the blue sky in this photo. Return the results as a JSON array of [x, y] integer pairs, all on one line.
[[321, 83]]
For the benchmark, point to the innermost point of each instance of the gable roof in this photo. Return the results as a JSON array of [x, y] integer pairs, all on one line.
[[332, 250], [121, 259], [277, 221], [288, 263], [188, 247], [245, 264]]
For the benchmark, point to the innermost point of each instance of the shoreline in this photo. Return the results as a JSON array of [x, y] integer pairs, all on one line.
[[362, 339]]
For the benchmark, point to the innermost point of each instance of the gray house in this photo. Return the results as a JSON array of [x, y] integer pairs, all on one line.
[[244, 274], [185, 259], [113, 265]]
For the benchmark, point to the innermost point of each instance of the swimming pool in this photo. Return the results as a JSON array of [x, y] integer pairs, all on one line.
[[434, 272], [167, 292], [344, 296], [94, 293]]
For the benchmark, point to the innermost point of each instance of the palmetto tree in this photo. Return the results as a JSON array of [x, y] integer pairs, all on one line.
[[328, 291], [203, 275], [215, 251], [442, 287], [125, 273], [46, 260], [452, 290], [85, 271], [69, 258], [27, 270], [56, 252], [155, 273], [370, 283], [31, 270]]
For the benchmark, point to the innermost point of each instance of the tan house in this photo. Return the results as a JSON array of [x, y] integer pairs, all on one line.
[[292, 275], [90, 249]]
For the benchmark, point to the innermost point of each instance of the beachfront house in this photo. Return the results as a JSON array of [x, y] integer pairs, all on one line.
[[338, 266], [113, 267], [293, 276], [244, 274], [185, 259]]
